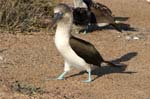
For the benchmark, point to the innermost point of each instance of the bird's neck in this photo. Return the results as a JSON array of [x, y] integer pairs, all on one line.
[[63, 32], [79, 3]]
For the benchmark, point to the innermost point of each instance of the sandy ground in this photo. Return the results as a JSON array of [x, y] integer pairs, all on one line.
[[26, 61]]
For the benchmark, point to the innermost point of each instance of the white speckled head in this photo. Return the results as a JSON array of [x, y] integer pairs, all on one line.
[[79, 3], [62, 8], [62, 14]]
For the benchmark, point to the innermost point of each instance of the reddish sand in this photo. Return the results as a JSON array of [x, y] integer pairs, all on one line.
[[30, 59]]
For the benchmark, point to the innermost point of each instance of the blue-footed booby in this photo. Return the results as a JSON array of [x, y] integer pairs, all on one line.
[[93, 13], [75, 51]]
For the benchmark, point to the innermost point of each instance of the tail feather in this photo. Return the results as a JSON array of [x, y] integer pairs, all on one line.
[[111, 64], [116, 27]]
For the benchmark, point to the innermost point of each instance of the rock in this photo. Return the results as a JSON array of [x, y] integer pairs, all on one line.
[[128, 37], [1, 58], [136, 38], [132, 37]]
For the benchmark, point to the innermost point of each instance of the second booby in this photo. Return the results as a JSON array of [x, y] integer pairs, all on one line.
[[76, 52], [94, 13]]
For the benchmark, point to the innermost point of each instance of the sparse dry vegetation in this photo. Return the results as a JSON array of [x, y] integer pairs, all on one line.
[[25, 15], [26, 88]]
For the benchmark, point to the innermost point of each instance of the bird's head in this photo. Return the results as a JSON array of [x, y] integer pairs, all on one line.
[[61, 13]]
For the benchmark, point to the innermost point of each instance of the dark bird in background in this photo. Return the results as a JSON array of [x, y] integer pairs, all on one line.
[[87, 12], [76, 52]]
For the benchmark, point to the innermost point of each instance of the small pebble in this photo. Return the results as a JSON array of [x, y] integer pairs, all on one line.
[[118, 36], [136, 38], [1, 58], [128, 37]]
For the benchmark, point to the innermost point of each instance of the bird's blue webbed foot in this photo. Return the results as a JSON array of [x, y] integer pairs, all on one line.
[[89, 77], [61, 77], [87, 81]]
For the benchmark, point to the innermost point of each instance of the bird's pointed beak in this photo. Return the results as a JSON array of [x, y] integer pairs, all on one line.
[[56, 18]]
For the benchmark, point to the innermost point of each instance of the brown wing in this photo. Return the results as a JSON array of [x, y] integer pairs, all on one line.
[[101, 7], [86, 50], [102, 13]]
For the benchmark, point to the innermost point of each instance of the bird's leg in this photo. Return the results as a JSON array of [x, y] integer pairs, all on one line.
[[61, 77], [66, 70], [89, 77], [87, 28]]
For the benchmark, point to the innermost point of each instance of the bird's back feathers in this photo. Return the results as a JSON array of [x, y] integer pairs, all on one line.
[[86, 51]]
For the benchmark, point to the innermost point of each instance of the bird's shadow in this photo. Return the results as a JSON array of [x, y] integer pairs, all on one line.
[[104, 70], [120, 18], [122, 26]]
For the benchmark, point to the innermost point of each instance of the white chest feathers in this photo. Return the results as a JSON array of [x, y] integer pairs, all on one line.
[[63, 46]]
